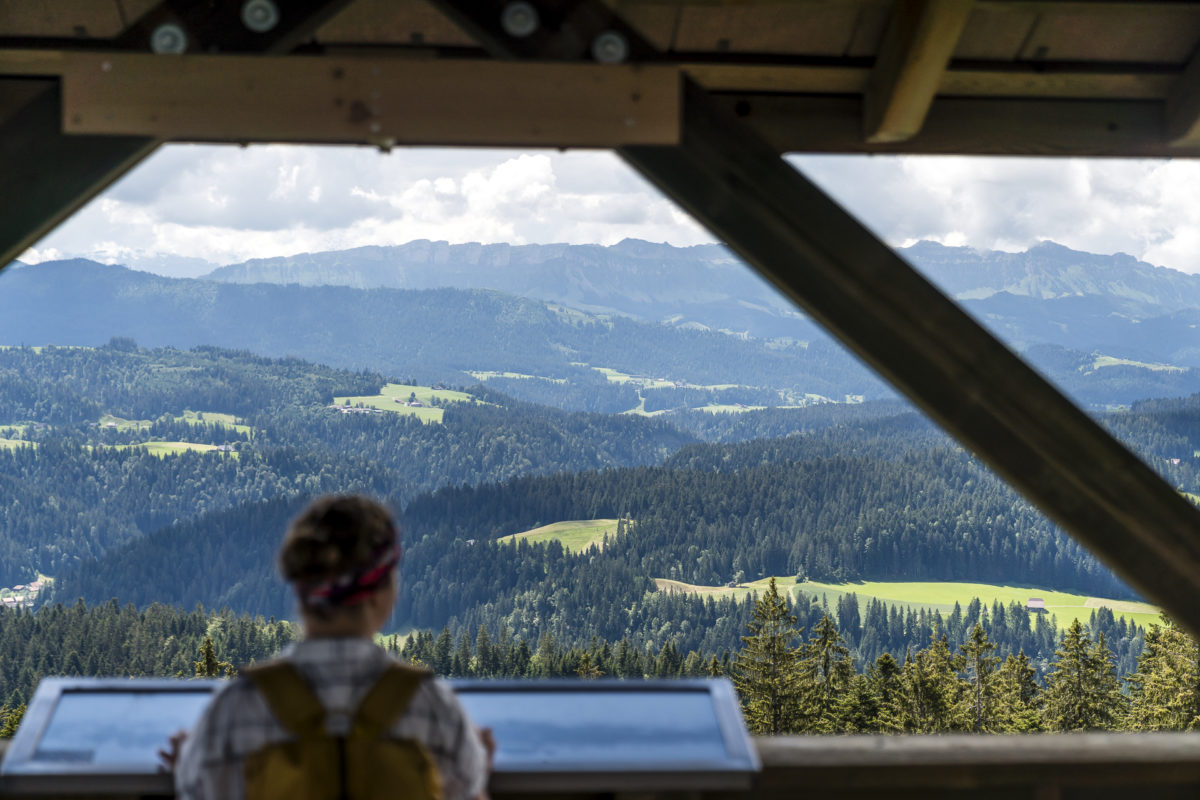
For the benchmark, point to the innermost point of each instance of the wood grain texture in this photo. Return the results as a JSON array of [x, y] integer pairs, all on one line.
[[370, 101], [916, 48]]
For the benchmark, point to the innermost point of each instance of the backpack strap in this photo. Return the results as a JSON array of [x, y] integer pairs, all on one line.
[[290, 698], [387, 700]]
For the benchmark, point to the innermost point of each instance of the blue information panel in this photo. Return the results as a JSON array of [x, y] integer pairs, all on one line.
[[685, 735], [551, 735], [103, 725], [107, 729]]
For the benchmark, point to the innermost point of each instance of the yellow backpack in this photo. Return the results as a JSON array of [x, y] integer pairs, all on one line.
[[363, 765]]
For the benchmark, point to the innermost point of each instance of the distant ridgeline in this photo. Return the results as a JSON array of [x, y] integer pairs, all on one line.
[[635, 326]]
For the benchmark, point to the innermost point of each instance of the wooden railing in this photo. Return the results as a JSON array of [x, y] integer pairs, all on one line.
[[1084, 766]]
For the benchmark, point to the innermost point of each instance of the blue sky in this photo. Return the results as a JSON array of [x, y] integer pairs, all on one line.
[[190, 207]]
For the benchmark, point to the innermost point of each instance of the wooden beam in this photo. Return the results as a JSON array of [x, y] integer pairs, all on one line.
[[734, 182], [824, 764], [968, 126], [917, 45], [380, 101], [998, 81], [1183, 107], [48, 174]]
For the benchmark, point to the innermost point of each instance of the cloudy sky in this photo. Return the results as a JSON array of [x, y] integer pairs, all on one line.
[[190, 207]]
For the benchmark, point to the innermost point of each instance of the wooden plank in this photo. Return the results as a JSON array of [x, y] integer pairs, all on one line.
[[734, 183], [916, 47], [401, 22], [60, 18], [969, 126], [1013, 81], [48, 175], [970, 761], [1183, 107], [379, 101]]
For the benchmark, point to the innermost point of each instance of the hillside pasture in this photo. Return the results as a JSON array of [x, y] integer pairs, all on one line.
[[214, 418], [939, 596], [575, 535], [13, 444], [164, 449], [484, 375], [1111, 361], [394, 397], [122, 424]]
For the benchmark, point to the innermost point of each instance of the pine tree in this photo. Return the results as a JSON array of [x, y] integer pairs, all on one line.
[[982, 708], [1082, 692], [209, 666], [1018, 695], [930, 695], [767, 670], [10, 720], [587, 669], [827, 667], [1164, 692]]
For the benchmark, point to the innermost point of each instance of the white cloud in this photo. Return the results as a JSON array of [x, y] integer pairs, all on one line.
[[223, 204]]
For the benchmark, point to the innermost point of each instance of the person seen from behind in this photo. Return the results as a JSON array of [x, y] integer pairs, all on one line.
[[335, 717]]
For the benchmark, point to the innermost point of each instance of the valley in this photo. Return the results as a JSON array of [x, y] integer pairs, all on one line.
[[568, 479], [938, 596]]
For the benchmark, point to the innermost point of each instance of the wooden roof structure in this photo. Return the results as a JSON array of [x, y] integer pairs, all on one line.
[[702, 97]]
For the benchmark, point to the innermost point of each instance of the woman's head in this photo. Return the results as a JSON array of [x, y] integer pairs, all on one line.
[[340, 554]]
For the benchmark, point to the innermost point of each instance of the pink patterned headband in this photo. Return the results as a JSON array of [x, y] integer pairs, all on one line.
[[352, 587]]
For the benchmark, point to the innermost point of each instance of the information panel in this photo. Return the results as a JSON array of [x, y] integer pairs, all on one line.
[[685, 734], [559, 735], [98, 726]]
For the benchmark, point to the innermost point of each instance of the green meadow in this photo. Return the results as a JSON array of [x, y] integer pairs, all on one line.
[[575, 535], [940, 596], [1110, 361], [163, 449], [214, 418], [13, 444], [483, 375], [394, 397]]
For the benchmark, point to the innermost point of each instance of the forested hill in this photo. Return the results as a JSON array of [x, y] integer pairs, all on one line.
[[101, 446], [703, 285], [441, 334], [527, 349], [883, 498]]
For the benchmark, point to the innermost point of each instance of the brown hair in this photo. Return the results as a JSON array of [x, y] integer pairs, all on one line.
[[333, 536]]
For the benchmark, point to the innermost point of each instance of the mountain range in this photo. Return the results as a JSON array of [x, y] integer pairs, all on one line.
[[1048, 294], [543, 322]]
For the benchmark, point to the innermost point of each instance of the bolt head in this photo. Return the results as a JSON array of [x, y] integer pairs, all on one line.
[[169, 39], [519, 19], [610, 47], [260, 16]]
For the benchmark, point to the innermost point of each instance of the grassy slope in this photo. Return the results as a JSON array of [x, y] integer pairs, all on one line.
[[387, 397], [575, 535], [942, 596]]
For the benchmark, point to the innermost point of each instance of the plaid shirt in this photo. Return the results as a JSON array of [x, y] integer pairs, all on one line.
[[238, 722]]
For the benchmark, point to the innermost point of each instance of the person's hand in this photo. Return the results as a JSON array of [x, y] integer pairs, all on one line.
[[170, 754], [489, 744]]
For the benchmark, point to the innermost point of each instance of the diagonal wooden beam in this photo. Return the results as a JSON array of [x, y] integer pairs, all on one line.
[[920, 38], [49, 174], [739, 187], [1183, 107], [736, 184]]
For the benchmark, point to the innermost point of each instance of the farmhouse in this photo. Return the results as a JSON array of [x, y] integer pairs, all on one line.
[[1036, 604]]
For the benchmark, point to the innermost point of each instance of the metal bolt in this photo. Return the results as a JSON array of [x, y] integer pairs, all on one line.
[[610, 47], [169, 38], [260, 16], [519, 19]]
